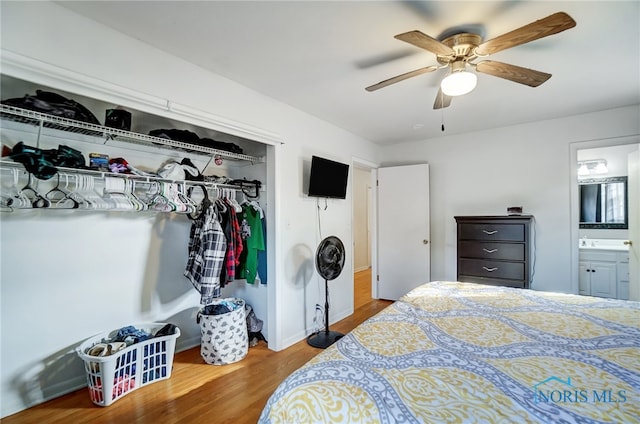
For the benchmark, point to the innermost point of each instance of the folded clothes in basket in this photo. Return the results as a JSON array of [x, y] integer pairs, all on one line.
[[131, 335], [125, 337], [105, 349]]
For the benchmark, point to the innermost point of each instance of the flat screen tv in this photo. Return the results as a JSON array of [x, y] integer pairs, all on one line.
[[328, 178]]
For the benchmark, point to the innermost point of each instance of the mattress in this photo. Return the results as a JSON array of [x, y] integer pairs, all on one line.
[[463, 352]]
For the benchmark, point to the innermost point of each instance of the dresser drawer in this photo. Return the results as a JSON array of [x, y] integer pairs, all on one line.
[[519, 284], [488, 232], [492, 269], [488, 250]]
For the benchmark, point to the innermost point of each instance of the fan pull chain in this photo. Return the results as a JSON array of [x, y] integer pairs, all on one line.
[[441, 110]]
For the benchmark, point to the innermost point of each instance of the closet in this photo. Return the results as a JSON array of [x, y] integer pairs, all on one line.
[[72, 270]]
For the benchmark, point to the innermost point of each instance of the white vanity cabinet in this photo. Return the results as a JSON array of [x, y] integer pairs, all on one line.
[[604, 273], [623, 275]]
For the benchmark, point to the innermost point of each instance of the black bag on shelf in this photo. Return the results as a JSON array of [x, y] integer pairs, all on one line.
[[192, 138], [221, 145], [184, 136], [54, 104]]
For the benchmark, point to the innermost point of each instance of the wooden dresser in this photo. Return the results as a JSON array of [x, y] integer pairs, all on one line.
[[494, 250]]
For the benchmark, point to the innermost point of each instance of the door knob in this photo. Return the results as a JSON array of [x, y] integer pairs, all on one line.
[[425, 241]]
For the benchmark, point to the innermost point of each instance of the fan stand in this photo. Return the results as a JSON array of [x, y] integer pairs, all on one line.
[[324, 339]]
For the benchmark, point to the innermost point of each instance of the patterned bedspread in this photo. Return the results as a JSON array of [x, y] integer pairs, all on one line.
[[461, 352]]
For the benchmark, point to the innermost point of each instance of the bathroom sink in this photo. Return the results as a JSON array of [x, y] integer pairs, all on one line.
[[604, 244]]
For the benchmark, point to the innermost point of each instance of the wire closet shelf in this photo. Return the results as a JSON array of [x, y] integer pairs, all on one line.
[[30, 117]]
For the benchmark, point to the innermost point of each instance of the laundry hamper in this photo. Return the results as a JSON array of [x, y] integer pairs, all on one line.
[[224, 336], [111, 377]]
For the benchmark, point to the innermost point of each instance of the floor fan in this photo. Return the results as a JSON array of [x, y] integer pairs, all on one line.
[[329, 264]]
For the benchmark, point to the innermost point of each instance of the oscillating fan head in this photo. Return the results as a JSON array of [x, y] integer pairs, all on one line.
[[330, 258]]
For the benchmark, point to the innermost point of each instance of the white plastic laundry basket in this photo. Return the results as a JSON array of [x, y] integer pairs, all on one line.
[[111, 377], [224, 337]]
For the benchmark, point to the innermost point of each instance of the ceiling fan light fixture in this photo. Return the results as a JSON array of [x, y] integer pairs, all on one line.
[[459, 81]]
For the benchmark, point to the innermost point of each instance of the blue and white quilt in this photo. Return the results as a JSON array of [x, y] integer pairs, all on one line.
[[462, 352]]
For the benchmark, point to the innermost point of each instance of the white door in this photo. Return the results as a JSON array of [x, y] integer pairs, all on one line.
[[403, 230], [633, 189]]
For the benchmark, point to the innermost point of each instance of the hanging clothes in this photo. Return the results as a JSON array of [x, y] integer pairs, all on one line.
[[225, 224], [231, 228], [253, 239], [207, 248], [262, 254]]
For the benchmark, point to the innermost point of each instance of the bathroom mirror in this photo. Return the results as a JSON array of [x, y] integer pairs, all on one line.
[[603, 203]]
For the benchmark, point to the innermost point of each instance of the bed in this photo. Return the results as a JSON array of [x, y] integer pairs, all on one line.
[[464, 352]]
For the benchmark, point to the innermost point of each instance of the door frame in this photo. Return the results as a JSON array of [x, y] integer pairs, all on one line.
[[373, 218], [574, 207]]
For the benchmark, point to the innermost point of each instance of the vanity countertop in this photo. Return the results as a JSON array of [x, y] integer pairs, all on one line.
[[604, 244]]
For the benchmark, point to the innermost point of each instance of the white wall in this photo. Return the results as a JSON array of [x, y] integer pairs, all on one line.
[[68, 276], [526, 165]]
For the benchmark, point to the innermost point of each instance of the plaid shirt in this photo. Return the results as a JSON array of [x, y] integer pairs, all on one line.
[[237, 245], [207, 247], [234, 244]]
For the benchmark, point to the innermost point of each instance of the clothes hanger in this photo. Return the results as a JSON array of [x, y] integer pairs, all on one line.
[[39, 201], [190, 205], [254, 204], [18, 199], [53, 196], [222, 204], [204, 205], [73, 195], [159, 202], [5, 204], [130, 191], [232, 200], [80, 192]]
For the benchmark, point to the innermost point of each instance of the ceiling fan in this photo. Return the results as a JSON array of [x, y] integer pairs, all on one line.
[[459, 51]]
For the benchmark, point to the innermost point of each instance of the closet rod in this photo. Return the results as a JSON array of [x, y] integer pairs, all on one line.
[[238, 185]]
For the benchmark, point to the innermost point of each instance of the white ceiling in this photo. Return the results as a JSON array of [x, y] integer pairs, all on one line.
[[318, 56]]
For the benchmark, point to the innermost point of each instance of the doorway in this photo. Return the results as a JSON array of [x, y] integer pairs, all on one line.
[[615, 152], [363, 219]]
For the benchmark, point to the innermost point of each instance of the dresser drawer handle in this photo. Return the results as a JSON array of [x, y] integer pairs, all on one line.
[[490, 269], [489, 250], [489, 233]]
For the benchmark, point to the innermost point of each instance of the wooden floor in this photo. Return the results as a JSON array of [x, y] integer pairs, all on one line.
[[201, 393]]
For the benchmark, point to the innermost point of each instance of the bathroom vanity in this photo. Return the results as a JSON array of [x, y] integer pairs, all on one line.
[[604, 268]]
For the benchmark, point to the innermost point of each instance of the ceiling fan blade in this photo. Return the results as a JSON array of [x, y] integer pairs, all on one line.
[[513, 73], [550, 25], [402, 77], [442, 100], [426, 42]]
